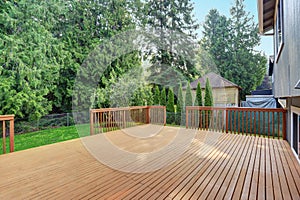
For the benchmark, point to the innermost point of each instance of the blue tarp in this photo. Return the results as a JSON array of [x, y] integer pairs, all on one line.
[[260, 102]]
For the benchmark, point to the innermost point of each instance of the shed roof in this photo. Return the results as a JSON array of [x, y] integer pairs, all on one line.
[[216, 81]]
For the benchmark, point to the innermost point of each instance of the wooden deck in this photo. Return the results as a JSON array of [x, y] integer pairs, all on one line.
[[215, 166]]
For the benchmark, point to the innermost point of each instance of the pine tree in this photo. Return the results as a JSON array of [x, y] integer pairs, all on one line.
[[198, 99], [170, 107], [168, 18], [163, 97], [232, 43], [142, 96], [208, 98], [30, 59], [179, 105], [156, 99], [188, 96], [208, 101]]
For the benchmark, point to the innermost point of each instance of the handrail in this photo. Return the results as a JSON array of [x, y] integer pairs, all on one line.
[[269, 122], [108, 119], [4, 119]]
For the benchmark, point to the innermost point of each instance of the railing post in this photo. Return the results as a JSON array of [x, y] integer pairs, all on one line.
[[284, 125], [165, 115], [148, 115], [11, 135], [124, 119], [91, 123], [226, 119], [3, 137], [186, 118]]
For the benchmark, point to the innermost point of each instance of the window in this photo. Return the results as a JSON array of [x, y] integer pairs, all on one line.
[[295, 139], [279, 30]]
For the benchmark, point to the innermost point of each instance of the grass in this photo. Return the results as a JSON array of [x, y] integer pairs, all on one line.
[[44, 137]]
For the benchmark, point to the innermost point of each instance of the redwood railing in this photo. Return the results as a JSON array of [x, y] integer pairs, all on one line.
[[248, 121], [8, 119], [109, 119]]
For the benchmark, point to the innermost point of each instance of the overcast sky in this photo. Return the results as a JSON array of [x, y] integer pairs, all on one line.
[[202, 8]]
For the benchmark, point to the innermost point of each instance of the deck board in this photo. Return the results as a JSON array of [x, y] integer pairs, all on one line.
[[215, 166]]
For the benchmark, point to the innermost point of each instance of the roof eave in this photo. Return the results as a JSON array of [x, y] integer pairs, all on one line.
[[266, 10], [260, 16]]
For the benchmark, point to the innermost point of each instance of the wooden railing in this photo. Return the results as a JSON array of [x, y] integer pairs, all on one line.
[[8, 119], [109, 119], [252, 121]]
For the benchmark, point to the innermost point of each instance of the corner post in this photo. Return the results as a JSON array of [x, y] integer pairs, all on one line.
[[91, 122], [186, 117], [227, 118], [148, 115], [284, 125], [12, 135], [165, 116], [3, 137]]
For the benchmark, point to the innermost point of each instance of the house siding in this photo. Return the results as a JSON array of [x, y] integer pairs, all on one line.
[[287, 65]]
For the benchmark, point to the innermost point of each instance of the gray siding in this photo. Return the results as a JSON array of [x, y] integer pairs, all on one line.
[[287, 69]]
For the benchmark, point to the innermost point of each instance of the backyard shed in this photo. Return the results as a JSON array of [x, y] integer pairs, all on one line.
[[225, 92]]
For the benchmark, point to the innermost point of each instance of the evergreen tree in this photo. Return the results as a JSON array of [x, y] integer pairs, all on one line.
[[208, 101], [232, 42], [172, 55], [156, 99], [170, 107], [86, 25], [163, 97], [188, 96], [198, 99], [30, 59], [142, 96], [179, 105], [208, 98]]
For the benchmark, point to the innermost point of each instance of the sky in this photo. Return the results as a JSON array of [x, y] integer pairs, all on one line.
[[202, 8]]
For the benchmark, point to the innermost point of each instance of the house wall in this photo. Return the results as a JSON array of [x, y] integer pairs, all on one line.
[[223, 96], [286, 66]]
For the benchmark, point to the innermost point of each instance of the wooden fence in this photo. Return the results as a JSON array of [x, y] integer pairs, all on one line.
[[8, 119], [109, 119], [253, 121]]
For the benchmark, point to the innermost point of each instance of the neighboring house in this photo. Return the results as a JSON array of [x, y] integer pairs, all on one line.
[[225, 93], [280, 19]]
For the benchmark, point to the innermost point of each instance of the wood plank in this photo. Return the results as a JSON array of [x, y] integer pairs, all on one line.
[[275, 178], [167, 185], [182, 186], [268, 174], [234, 190], [288, 174], [227, 171], [261, 193], [281, 173], [216, 170], [291, 156], [231, 179], [255, 174], [244, 191], [204, 174]]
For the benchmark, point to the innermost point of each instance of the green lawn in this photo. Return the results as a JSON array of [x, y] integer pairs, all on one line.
[[44, 137]]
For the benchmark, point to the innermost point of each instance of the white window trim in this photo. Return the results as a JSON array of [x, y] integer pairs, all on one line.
[[297, 111]]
